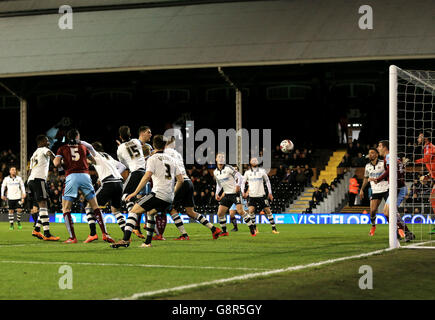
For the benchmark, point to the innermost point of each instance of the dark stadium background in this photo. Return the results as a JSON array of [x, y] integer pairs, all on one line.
[[99, 103]]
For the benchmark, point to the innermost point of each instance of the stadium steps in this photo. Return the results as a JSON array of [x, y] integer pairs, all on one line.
[[355, 209], [330, 172], [303, 201]]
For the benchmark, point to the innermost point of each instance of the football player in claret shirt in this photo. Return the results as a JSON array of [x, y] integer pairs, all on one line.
[[402, 190], [429, 160], [73, 157]]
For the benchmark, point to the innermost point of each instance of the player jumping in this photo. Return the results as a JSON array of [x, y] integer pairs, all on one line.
[[163, 170]]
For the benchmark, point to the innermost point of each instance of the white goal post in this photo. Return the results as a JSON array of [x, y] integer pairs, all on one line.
[[411, 112]]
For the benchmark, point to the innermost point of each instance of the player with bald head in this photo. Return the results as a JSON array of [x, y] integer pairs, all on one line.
[[229, 182], [256, 177]]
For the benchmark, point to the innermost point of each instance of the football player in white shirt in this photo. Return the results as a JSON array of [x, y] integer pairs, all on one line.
[[374, 169], [144, 136], [229, 181], [130, 154], [37, 183], [233, 210], [184, 197], [163, 171], [13, 191], [109, 174], [256, 177]]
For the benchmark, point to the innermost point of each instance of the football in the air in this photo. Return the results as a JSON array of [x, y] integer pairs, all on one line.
[[286, 146]]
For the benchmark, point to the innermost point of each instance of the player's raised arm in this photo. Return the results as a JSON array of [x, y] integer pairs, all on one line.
[[57, 161], [50, 154], [89, 147]]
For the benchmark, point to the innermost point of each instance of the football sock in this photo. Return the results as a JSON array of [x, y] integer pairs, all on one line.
[[252, 215], [373, 218], [178, 223], [38, 222], [11, 218], [161, 220], [223, 223], [120, 220], [271, 220], [234, 222], [35, 218], [100, 220], [129, 225], [151, 224], [201, 219], [69, 224], [44, 220], [19, 216], [400, 222], [247, 219], [91, 221]]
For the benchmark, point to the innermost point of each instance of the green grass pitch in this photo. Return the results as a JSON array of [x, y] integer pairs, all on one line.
[[30, 267]]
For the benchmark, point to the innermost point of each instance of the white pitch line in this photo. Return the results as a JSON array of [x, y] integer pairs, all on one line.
[[250, 275], [419, 245], [132, 265], [19, 245]]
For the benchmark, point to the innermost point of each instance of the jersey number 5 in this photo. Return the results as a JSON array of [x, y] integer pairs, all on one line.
[[75, 155]]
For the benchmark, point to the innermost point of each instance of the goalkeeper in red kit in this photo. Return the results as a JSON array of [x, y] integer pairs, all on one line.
[[429, 160]]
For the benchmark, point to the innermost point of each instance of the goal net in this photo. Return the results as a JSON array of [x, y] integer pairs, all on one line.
[[411, 125]]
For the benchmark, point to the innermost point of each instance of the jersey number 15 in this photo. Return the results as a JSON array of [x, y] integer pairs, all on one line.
[[133, 151]]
